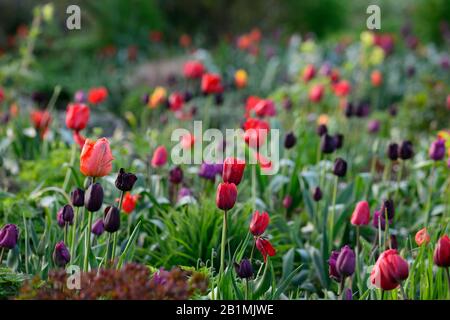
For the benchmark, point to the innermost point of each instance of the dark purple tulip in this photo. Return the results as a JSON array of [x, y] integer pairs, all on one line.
[[348, 111], [410, 71], [321, 130], [379, 218], [393, 242], [338, 140], [176, 175], [145, 98], [348, 294], [209, 171], [392, 151], [244, 269], [184, 192], [187, 96], [9, 235], [340, 167], [345, 263], [98, 227], [218, 99], [373, 126], [387, 207], [406, 150], [60, 219], [393, 110], [61, 255], [437, 150], [362, 110], [111, 219], [77, 197], [290, 140], [125, 181], [93, 197], [332, 266], [327, 144], [67, 213], [317, 194]]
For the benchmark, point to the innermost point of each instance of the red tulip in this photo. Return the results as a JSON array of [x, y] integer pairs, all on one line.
[[377, 78], [309, 72], [233, 170], [342, 88], [193, 69], [265, 108], [96, 158], [256, 131], [265, 248], [159, 158], [361, 215], [226, 196], [41, 121], [422, 237], [79, 139], [316, 93], [211, 83], [77, 116], [97, 95], [389, 270], [259, 223], [176, 101], [129, 202], [187, 141], [442, 252]]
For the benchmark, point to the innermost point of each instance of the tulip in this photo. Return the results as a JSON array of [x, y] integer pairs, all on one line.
[[176, 175], [125, 181], [290, 140], [96, 158], [244, 269], [392, 242], [233, 170], [379, 220], [80, 96], [211, 83], [9, 235], [240, 79], [176, 101], [377, 78], [77, 197], [41, 121], [157, 98], [389, 270], [265, 247], [226, 195], [98, 227], [338, 141], [265, 108], [373, 126], [406, 150], [60, 219], [348, 294], [61, 255], [448, 102], [392, 151], [327, 144], [184, 192], [317, 194], [422, 237], [77, 116], [287, 103], [209, 171], [361, 214], [187, 141], [67, 214], [309, 72], [93, 197], [340, 167], [259, 223], [437, 150], [342, 88], [97, 95], [129, 202], [345, 263], [193, 69], [441, 256], [388, 208], [348, 109], [111, 219], [256, 131], [159, 158], [287, 202], [316, 93]]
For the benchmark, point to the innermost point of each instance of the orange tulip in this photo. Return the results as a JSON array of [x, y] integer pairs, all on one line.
[[377, 78], [96, 158], [240, 79]]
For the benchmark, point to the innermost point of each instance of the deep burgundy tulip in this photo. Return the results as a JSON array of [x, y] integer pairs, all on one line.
[[437, 150], [317, 194], [442, 252], [348, 294], [338, 141], [327, 144], [176, 175], [9, 235], [361, 214], [98, 227], [77, 197], [244, 269], [226, 195], [60, 219], [348, 110], [67, 213], [61, 255], [259, 223], [389, 270], [392, 151], [322, 129], [125, 181], [287, 202], [233, 170], [340, 167], [388, 208], [406, 150], [290, 140], [93, 197], [341, 263], [111, 219]]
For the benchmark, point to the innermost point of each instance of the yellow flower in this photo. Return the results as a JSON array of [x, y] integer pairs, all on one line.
[[158, 96], [240, 78], [367, 38], [376, 56]]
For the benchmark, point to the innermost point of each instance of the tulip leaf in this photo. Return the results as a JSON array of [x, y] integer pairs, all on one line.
[[130, 243]]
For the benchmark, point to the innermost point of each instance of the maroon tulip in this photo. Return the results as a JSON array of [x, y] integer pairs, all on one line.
[[233, 170], [9, 235], [442, 252], [226, 196], [259, 223]]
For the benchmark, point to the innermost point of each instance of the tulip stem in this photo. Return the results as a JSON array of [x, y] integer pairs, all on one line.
[[116, 233], [87, 242], [402, 290], [387, 240], [66, 230], [341, 288], [69, 168], [430, 192], [333, 210], [73, 236], [1, 255], [399, 176], [447, 272], [222, 248], [246, 289], [254, 186], [108, 251]]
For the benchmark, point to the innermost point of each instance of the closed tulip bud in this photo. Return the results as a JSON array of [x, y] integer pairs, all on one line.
[[373, 126], [265, 247], [340, 167], [327, 144], [437, 150], [218, 99], [176, 175], [388, 208], [348, 294], [96, 158], [349, 110], [77, 197], [77, 116], [93, 197], [442, 252], [61, 255], [393, 111], [361, 214], [317, 194], [125, 181], [60, 219], [259, 223], [332, 271], [290, 140], [389, 270], [322, 129], [233, 170], [338, 141], [392, 151], [159, 158], [422, 237], [226, 195], [98, 227], [9, 235], [406, 150], [211, 83], [244, 269], [111, 219], [341, 263], [287, 202], [67, 213]]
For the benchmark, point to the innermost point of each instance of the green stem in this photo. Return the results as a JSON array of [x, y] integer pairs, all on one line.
[[108, 251], [253, 250], [26, 242], [223, 244], [1, 255], [333, 210], [246, 289], [71, 164], [87, 242], [254, 186], [430, 192], [74, 235], [116, 233], [399, 176]]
